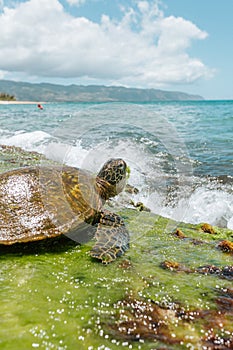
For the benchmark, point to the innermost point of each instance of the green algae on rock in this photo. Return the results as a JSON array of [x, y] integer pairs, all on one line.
[[55, 296], [12, 157]]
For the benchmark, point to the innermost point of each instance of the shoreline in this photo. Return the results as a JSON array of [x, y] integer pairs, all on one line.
[[21, 102]]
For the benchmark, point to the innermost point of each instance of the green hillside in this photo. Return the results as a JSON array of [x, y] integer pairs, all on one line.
[[92, 93]]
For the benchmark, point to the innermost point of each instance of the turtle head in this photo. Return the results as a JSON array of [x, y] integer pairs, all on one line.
[[112, 177]]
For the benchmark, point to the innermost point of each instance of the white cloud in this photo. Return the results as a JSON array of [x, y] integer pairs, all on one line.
[[144, 48], [76, 2]]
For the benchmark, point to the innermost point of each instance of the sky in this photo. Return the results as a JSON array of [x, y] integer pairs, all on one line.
[[177, 45]]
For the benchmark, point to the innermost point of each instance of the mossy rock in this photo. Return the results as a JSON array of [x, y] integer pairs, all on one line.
[[55, 296], [15, 157]]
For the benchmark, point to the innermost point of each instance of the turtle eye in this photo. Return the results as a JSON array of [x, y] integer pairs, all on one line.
[[122, 169], [122, 166]]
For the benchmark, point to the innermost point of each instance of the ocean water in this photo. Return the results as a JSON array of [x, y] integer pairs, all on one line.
[[180, 153]]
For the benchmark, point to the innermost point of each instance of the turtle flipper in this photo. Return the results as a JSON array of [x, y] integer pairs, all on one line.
[[112, 238]]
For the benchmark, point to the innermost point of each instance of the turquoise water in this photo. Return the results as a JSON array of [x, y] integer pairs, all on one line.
[[206, 127], [180, 153]]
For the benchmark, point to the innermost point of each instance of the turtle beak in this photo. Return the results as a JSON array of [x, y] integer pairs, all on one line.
[[120, 185]]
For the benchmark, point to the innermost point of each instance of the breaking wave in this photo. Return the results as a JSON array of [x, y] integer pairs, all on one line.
[[163, 185]]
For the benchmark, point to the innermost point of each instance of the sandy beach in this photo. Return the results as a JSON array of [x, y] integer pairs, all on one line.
[[21, 102]]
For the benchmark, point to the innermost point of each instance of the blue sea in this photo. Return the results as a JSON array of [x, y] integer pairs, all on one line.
[[180, 153]]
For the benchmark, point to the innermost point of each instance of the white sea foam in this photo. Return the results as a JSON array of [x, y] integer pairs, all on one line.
[[230, 223], [213, 206], [203, 205], [31, 141], [73, 155]]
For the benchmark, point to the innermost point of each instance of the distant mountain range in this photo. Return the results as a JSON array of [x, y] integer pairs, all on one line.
[[92, 93]]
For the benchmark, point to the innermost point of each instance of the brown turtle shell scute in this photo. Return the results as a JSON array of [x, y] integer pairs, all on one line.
[[42, 202]]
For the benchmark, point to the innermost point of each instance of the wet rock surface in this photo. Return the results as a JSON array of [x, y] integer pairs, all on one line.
[[172, 289]]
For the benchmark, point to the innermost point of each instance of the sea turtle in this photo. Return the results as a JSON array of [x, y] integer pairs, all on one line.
[[47, 201]]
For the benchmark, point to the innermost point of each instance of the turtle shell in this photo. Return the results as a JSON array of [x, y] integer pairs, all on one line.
[[42, 202]]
